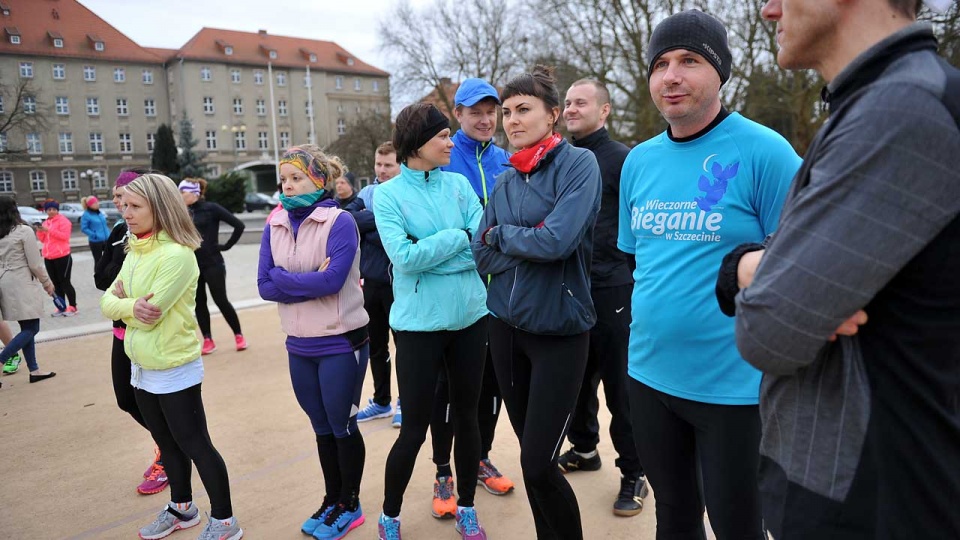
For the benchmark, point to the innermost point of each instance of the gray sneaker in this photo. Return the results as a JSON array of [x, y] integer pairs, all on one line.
[[169, 521], [218, 530]]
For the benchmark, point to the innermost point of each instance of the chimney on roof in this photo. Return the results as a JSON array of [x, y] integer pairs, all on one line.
[[262, 32]]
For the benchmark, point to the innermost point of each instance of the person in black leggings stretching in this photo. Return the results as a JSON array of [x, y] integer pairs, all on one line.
[[538, 254], [213, 271]]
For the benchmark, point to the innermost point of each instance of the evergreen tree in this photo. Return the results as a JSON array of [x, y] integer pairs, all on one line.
[[164, 158], [189, 160]]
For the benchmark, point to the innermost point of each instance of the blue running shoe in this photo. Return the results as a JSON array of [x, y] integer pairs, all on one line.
[[398, 417], [373, 411], [317, 518], [467, 524], [388, 528], [339, 522]]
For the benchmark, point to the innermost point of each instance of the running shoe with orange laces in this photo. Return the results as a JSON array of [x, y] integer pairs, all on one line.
[[492, 480], [444, 503], [154, 479]]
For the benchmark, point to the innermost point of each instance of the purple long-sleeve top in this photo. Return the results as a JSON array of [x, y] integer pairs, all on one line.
[[276, 284]]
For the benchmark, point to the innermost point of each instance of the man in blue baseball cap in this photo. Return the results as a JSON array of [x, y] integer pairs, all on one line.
[[475, 156]]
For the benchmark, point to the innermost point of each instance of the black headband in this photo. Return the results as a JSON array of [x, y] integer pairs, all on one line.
[[435, 123]]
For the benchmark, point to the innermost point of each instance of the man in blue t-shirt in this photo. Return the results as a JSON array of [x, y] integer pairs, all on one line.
[[688, 196]]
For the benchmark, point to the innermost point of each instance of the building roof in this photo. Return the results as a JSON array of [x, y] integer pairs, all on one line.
[[39, 23], [449, 88], [231, 46], [164, 54]]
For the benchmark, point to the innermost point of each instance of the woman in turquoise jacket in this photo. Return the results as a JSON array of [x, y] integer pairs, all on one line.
[[426, 218]]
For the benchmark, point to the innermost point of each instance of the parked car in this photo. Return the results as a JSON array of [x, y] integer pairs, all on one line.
[[32, 216], [110, 211], [259, 201], [72, 211]]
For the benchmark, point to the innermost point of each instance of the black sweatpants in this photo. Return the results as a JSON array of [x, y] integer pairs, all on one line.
[[607, 362], [698, 453], [59, 271], [377, 300], [179, 427], [540, 378], [96, 249], [420, 358], [488, 412], [122, 389], [215, 277]]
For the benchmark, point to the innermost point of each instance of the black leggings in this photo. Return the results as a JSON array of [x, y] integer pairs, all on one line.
[[540, 378], [488, 411], [96, 249], [420, 358], [122, 389], [215, 277], [695, 452], [377, 300], [59, 271], [179, 427]]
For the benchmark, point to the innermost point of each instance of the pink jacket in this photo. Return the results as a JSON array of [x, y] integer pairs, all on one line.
[[330, 315], [56, 239]]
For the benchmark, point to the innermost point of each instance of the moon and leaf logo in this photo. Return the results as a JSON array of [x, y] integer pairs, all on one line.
[[714, 189]]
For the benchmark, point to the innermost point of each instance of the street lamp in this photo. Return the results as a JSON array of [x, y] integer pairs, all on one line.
[[91, 175], [236, 149]]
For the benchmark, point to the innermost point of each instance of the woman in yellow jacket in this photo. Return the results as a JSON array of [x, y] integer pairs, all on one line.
[[154, 294]]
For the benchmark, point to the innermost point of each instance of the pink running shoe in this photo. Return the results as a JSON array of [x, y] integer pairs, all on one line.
[[156, 481], [156, 458], [241, 343], [208, 346]]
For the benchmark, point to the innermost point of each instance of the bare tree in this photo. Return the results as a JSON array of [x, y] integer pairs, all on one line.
[[357, 146], [21, 114]]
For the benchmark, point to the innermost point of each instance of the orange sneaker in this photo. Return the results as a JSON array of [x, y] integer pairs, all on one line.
[[492, 480], [444, 503]]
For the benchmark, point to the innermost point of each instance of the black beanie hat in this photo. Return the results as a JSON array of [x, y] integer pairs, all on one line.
[[695, 31]]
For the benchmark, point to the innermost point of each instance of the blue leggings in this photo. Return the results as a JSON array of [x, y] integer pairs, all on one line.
[[24, 341], [328, 389]]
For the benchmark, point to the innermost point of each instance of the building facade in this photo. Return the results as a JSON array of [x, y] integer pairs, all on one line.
[[79, 101]]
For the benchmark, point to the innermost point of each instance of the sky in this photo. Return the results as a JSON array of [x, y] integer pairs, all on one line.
[[171, 23]]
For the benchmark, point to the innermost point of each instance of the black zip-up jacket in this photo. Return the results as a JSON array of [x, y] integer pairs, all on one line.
[[108, 267], [207, 217], [374, 263], [539, 243], [611, 267]]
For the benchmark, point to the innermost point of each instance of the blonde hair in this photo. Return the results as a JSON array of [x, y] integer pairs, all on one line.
[[169, 212], [332, 165], [83, 202]]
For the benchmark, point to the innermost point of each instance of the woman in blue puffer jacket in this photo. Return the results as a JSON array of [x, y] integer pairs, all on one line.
[[426, 218], [94, 224]]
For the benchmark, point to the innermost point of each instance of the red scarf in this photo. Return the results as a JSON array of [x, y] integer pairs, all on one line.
[[527, 159]]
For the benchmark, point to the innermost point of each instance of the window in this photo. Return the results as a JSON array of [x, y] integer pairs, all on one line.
[[281, 79], [313, 57], [151, 141], [58, 43], [339, 82], [148, 76], [263, 142], [34, 144], [376, 86], [3, 142], [61, 105], [122, 109], [96, 143], [211, 139], [240, 140], [306, 81], [15, 40], [235, 75], [282, 107], [228, 51], [59, 72], [99, 46], [149, 107], [339, 108], [126, 143], [66, 142], [99, 179], [119, 74], [26, 70], [69, 179], [206, 74], [261, 107], [89, 73], [6, 182], [93, 106], [29, 105], [308, 108], [273, 55], [207, 105], [284, 139], [258, 77], [341, 126], [1, 104], [357, 85], [237, 106], [38, 181]]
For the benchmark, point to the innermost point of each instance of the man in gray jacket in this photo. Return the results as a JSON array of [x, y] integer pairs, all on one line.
[[861, 430]]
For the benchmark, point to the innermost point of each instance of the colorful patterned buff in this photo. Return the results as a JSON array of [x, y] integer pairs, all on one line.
[[306, 163]]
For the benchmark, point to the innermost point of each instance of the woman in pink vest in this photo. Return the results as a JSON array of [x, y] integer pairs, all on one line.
[[310, 265]]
